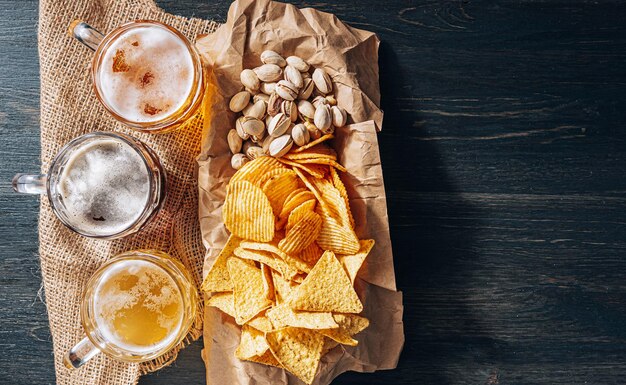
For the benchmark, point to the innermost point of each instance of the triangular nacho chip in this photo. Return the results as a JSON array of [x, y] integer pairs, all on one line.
[[352, 263], [298, 350], [269, 259], [249, 296], [283, 316], [349, 325], [252, 343], [218, 279], [224, 302]]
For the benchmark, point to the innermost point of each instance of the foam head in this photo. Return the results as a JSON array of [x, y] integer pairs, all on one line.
[[146, 74]]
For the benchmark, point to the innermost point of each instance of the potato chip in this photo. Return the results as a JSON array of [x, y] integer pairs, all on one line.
[[338, 183], [258, 170], [268, 284], [335, 237], [319, 151], [326, 288], [267, 258], [298, 350], [317, 141], [252, 343], [261, 323], [326, 161], [302, 234], [349, 325], [294, 262], [249, 296], [333, 210], [218, 279], [352, 263], [294, 193], [282, 316], [315, 170], [299, 212], [223, 301], [311, 254], [278, 188], [247, 212], [295, 201], [266, 359]]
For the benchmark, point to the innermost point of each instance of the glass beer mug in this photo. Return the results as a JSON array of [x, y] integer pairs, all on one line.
[[101, 185], [136, 307], [145, 73]]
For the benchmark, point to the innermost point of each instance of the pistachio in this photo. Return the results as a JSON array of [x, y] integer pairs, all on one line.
[[322, 81], [239, 101], [252, 126], [278, 125], [268, 72], [331, 100], [298, 63], [234, 141], [305, 75], [290, 109], [274, 104], [280, 146], [249, 79], [300, 134], [306, 109], [246, 145], [268, 119], [254, 152], [323, 118], [268, 88], [307, 89], [294, 76], [272, 57], [318, 101], [266, 143], [314, 133], [262, 97], [339, 116], [256, 139], [238, 160], [256, 110], [239, 128], [286, 90]]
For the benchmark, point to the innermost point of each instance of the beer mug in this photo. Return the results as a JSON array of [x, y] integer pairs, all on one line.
[[101, 185], [145, 73], [136, 307]]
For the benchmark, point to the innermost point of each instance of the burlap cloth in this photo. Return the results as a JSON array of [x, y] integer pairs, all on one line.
[[69, 108]]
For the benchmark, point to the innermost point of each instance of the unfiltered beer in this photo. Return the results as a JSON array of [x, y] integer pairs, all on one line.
[[138, 306], [104, 186], [146, 74]]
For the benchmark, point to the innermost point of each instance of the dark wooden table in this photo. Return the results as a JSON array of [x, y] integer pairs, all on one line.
[[504, 151]]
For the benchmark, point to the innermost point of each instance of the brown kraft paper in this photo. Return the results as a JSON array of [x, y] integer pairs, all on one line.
[[350, 56]]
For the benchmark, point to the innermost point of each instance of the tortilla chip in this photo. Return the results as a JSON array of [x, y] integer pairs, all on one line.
[[223, 301], [252, 343], [352, 263], [269, 259], [329, 344], [326, 288], [249, 296], [266, 359], [298, 350], [261, 323], [349, 325], [268, 284], [282, 316], [218, 279], [294, 262], [282, 288]]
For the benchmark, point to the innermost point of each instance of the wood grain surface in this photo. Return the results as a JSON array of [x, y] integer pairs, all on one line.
[[504, 153]]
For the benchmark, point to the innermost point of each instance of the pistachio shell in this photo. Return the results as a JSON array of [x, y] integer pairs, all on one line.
[[272, 57], [323, 118], [322, 81], [300, 134], [298, 63], [318, 101], [306, 109], [239, 128], [234, 141], [294, 76], [290, 109], [274, 104], [249, 79], [239, 101], [268, 88], [262, 97], [339, 116], [307, 89], [331, 100], [266, 144], [278, 125], [286, 90], [256, 110], [314, 133], [238, 160], [254, 152], [252, 126], [280, 146], [268, 72]]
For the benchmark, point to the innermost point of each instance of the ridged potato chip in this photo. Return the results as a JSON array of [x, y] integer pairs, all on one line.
[[217, 278], [327, 288], [326, 161], [278, 188], [248, 213], [299, 212], [258, 170], [297, 350], [302, 234], [340, 239], [295, 201], [294, 262], [338, 183], [319, 151], [317, 141], [316, 170], [248, 294], [312, 253]]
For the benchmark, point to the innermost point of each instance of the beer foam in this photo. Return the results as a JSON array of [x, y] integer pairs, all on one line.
[[146, 74], [133, 307], [104, 187]]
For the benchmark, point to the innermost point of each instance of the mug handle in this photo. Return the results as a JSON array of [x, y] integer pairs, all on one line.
[[80, 354], [30, 184], [85, 33]]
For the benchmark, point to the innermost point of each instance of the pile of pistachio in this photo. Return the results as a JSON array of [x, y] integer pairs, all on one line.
[[282, 104]]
